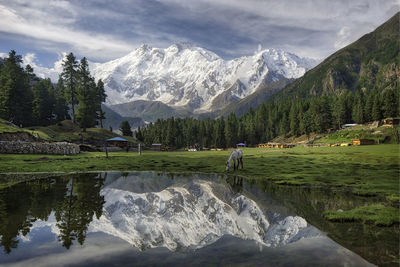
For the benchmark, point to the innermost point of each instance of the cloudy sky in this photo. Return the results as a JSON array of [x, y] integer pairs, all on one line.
[[102, 30]]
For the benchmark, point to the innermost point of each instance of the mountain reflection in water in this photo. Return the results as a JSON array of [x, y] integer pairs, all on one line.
[[156, 213]]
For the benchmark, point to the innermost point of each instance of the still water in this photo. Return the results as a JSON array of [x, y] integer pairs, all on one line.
[[149, 218]]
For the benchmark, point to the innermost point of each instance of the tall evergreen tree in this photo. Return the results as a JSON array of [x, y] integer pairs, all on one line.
[[171, 133], [306, 123], [219, 133], [43, 102], [293, 120], [389, 104], [231, 130], [358, 111], [339, 111], [139, 134], [368, 105], [376, 108], [86, 94], [100, 98], [125, 128], [70, 66], [15, 91], [61, 107]]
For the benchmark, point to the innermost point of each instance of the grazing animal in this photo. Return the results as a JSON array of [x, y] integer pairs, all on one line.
[[237, 157]]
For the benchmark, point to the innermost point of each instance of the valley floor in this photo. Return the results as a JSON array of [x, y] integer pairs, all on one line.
[[368, 171]]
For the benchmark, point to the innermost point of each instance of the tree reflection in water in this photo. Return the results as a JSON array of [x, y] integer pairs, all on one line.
[[75, 199]]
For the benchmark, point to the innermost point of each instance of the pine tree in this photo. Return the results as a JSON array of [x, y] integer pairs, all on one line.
[[202, 134], [86, 114], [293, 120], [219, 133], [284, 125], [368, 105], [30, 74], [43, 102], [339, 111], [100, 98], [61, 107], [70, 66], [261, 123], [231, 129], [125, 128], [139, 134], [171, 133], [358, 112], [389, 104], [15, 91], [306, 123], [376, 108]]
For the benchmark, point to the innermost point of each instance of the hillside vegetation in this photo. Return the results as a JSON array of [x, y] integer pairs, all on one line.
[[63, 131], [372, 62]]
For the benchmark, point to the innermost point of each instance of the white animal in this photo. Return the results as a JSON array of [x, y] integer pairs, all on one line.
[[237, 157]]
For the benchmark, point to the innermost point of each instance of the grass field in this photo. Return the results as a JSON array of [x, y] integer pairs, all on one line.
[[366, 170], [379, 134], [64, 131]]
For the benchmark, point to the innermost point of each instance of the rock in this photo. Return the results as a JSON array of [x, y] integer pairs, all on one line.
[[58, 148]]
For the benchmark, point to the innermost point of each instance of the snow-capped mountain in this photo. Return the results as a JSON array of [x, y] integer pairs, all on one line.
[[189, 77]]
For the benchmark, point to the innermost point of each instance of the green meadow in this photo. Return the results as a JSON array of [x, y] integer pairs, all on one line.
[[367, 171]]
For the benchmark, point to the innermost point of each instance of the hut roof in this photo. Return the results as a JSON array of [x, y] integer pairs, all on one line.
[[117, 139], [156, 144], [349, 124], [240, 144]]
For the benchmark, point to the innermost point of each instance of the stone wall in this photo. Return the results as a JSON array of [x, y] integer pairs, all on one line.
[[60, 148]]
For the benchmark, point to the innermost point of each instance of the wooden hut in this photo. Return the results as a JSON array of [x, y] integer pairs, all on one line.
[[345, 144], [117, 141], [348, 125], [156, 147], [359, 142], [240, 145]]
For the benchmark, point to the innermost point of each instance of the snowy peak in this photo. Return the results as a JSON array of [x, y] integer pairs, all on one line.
[[190, 77]]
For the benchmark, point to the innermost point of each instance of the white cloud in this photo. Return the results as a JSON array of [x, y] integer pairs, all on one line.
[[343, 37], [44, 72], [312, 28], [106, 30], [88, 43]]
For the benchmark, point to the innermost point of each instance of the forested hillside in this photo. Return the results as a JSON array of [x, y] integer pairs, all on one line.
[[370, 63], [359, 83], [27, 100]]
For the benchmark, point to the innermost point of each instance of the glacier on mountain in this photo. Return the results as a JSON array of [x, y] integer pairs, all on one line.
[[189, 77]]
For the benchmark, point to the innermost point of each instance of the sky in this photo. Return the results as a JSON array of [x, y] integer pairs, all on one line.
[[43, 31]]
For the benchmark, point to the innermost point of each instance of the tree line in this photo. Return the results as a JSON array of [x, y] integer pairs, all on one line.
[[290, 117], [27, 100]]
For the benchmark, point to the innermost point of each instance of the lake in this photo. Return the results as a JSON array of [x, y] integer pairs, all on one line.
[[150, 218]]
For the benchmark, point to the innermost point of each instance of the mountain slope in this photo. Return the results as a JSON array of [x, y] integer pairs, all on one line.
[[114, 120], [370, 62], [254, 100], [191, 78], [148, 110]]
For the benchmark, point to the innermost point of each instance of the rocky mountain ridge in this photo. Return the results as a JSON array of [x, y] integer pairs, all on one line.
[[194, 79]]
